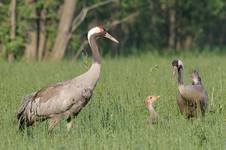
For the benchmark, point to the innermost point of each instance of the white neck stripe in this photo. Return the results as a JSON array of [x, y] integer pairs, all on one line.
[[93, 31]]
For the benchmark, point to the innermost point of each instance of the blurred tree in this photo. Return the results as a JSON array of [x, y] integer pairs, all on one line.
[[13, 28], [67, 25], [62, 38], [42, 32], [28, 27], [31, 45]]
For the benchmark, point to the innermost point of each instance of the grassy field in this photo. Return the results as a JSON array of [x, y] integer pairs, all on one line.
[[116, 116]]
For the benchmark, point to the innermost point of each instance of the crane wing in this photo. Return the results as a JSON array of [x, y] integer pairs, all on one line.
[[59, 98], [48, 92]]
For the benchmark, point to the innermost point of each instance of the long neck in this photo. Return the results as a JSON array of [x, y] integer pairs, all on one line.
[[93, 74], [180, 76], [181, 86], [94, 48], [152, 111]]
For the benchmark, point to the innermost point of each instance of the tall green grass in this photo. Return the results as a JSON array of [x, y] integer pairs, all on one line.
[[116, 116]]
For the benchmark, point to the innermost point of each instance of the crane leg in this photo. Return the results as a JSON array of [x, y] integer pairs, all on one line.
[[203, 107], [70, 123], [52, 123], [180, 103]]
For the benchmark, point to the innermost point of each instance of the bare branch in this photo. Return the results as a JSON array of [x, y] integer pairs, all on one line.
[[101, 4], [79, 19], [112, 24], [128, 18], [81, 48], [82, 15]]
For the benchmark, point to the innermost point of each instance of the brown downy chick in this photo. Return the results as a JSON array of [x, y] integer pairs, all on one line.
[[153, 115]]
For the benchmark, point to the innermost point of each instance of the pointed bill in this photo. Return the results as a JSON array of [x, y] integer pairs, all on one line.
[[107, 35], [158, 97], [174, 70]]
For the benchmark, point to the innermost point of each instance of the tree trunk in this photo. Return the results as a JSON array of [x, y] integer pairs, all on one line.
[[48, 46], [125, 38], [178, 44], [209, 40], [114, 47], [10, 57], [13, 20], [188, 42], [0, 49], [31, 45], [222, 34], [32, 36], [42, 34], [172, 26], [13, 28], [64, 28]]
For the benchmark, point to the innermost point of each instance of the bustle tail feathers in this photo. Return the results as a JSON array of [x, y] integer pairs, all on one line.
[[21, 113]]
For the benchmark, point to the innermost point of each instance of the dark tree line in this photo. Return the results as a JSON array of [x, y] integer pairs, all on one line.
[[53, 29]]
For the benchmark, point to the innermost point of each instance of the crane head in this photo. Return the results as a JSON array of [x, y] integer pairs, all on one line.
[[100, 31], [177, 65]]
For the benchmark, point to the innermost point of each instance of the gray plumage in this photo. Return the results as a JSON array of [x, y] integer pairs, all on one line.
[[195, 78], [20, 114], [191, 98], [65, 99]]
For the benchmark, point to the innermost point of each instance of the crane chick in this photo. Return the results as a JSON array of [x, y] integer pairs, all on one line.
[[153, 115]]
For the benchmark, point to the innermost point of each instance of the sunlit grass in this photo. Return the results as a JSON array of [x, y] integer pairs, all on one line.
[[116, 117]]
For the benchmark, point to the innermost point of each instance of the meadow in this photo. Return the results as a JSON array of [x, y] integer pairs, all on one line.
[[116, 116]]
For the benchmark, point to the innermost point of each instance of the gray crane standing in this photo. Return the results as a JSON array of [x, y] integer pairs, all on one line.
[[65, 99], [191, 98]]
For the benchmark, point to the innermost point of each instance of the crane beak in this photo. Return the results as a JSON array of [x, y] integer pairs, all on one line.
[[107, 35], [174, 70]]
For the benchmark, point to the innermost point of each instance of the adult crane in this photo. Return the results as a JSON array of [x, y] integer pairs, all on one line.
[[65, 99], [191, 98]]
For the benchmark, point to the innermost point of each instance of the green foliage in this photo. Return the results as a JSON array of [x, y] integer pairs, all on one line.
[[203, 20], [15, 45], [4, 26], [116, 116], [216, 6]]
